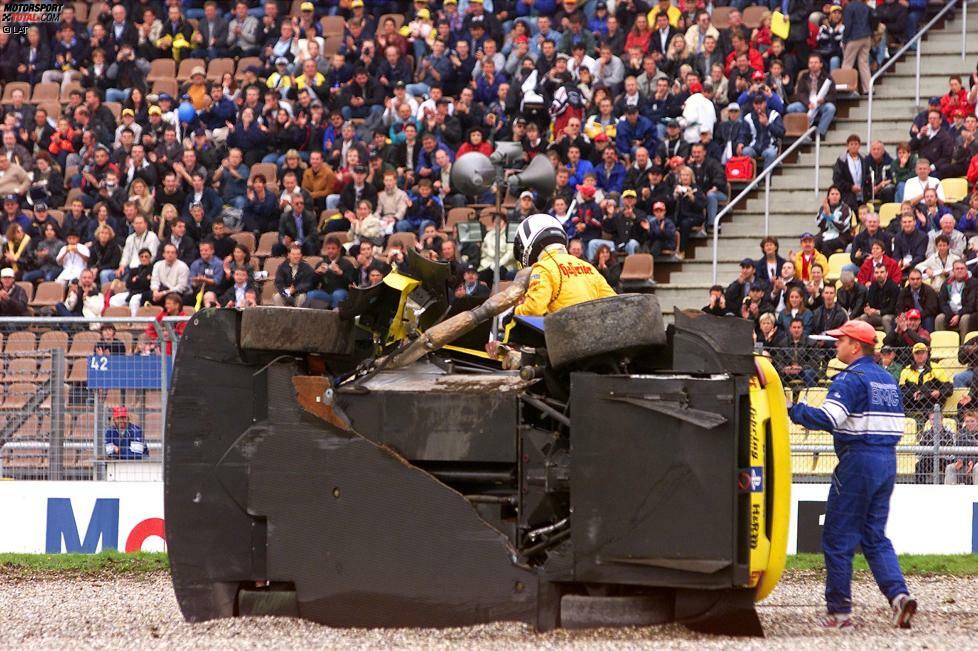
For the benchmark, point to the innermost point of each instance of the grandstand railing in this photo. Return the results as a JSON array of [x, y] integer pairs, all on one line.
[[764, 176], [917, 41], [57, 394]]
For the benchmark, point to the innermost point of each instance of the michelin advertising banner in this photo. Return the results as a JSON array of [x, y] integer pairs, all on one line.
[[87, 517]]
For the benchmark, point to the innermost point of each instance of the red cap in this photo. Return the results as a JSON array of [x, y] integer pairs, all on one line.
[[586, 190], [757, 76], [912, 313], [601, 137], [858, 330], [120, 412], [659, 204], [695, 87], [522, 38], [676, 161]]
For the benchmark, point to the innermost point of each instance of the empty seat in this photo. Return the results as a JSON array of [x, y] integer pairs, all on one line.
[[162, 69], [887, 212], [49, 294], [271, 266], [20, 369], [45, 92], [149, 310], [332, 25], [636, 273], [22, 341], [245, 239], [82, 428], [955, 189], [752, 16], [83, 344], [265, 244], [456, 215], [217, 67], [168, 86], [846, 80], [836, 262], [406, 240], [244, 63], [18, 395], [53, 339], [78, 373], [720, 18], [795, 124], [117, 311]]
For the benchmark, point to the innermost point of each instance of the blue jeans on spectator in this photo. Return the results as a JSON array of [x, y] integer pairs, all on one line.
[[898, 197], [412, 226], [963, 379], [824, 115], [332, 299], [631, 246], [35, 275], [278, 159], [117, 94], [106, 276], [769, 155], [361, 112], [417, 90], [239, 202], [209, 53], [713, 200]]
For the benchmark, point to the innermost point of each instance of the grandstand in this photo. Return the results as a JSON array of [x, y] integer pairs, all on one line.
[[233, 133]]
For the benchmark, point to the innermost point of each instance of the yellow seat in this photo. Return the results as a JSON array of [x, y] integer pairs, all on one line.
[[906, 463], [971, 335], [825, 463], [835, 366], [797, 434], [955, 189], [818, 437], [887, 212], [836, 262], [802, 463], [813, 397], [944, 344], [950, 366]]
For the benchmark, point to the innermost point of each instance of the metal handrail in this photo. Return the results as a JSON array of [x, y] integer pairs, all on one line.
[[899, 53], [763, 176]]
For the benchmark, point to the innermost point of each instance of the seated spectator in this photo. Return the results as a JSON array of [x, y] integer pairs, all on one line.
[[871, 230], [261, 213], [109, 344], [487, 260], [106, 256], [607, 265], [334, 274], [689, 207], [137, 281], [968, 222], [851, 174], [907, 331], [778, 289], [207, 271], [880, 166], [934, 144], [139, 240], [930, 212], [754, 305], [293, 279], [958, 300], [878, 258], [171, 276], [955, 238], [963, 467], [916, 295], [834, 222], [172, 307], [73, 258], [890, 363], [739, 289], [186, 246], [793, 359], [423, 210], [124, 439], [910, 244], [471, 285], [851, 294], [241, 293], [882, 293], [43, 264], [922, 384], [13, 298], [83, 298], [902, 169], [770, 335], [769, 266], [936, 432], [297, 226], [795, 310], [765, 129], [807, 257], [815, 95], [829, 315], [914, 188], [940, 263], [718, 302]]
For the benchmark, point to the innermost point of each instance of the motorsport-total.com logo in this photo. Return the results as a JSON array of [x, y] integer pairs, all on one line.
[[18, 17]]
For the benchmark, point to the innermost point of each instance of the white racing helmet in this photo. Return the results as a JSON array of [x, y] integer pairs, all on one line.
[[534, 234]]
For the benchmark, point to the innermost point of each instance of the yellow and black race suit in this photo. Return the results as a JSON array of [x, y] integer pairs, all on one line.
[[559, 280]]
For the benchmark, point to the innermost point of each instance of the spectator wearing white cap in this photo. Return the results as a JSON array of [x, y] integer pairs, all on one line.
[[13, 298]]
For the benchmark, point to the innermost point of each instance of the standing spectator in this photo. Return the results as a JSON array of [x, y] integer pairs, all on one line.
[[851, 174], [857, 39]]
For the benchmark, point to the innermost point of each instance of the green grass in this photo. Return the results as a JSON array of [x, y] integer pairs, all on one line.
[[956, 564], [144, 562], [103, 563]]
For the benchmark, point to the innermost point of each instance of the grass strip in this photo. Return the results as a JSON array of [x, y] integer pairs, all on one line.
[[912, 564]]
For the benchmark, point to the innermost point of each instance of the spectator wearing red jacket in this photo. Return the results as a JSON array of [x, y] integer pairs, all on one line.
[[955, 98], [475, 141], [878, 256], [172, 306], [741, 46]]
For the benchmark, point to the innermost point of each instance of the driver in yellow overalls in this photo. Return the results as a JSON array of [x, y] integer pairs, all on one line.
[[558, 279]]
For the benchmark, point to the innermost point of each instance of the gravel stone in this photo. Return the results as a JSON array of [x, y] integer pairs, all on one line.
[[140, 612]]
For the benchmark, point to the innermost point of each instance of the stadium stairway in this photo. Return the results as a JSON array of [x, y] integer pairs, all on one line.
[[793, 203]]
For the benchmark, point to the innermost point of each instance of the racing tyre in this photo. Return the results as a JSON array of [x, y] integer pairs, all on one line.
[[619, 325]]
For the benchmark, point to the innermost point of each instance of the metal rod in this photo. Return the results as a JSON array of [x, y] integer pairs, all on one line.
[[964, 30], [547, 409], [57, 383], [491, 499], [474, 476], [549, 542], [750, 188], [818, 160], [893, 59], [767, 204], [916, 96]]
